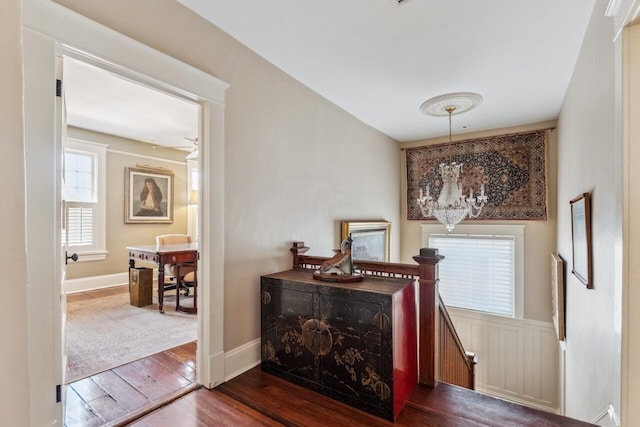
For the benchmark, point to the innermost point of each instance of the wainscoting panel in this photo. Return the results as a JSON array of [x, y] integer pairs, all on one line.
[[518, 358]]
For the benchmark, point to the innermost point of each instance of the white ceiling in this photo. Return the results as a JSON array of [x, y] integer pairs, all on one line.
[[379, 61], [101, 101]]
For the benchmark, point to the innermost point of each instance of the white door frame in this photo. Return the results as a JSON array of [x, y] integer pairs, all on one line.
[[51, 30]]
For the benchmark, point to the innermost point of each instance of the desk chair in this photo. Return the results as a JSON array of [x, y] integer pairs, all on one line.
[[184, 274]]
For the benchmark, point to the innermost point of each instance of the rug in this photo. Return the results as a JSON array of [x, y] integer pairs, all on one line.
[[511, 167], [103, 333]]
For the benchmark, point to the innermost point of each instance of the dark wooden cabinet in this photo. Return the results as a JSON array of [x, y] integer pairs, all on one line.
[[353, 342]]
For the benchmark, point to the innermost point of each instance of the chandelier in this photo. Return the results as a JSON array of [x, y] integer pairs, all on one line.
[[452, 206]]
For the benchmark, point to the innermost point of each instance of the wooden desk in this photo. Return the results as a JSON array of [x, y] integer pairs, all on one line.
[[181, 254]]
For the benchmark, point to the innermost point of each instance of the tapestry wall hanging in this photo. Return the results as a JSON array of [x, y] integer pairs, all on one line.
[[511, 167]]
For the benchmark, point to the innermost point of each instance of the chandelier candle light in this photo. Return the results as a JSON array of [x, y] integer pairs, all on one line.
[[452, 206]]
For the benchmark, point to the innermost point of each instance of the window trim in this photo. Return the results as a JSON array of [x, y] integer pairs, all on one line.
[[99, 251], [515, 230]]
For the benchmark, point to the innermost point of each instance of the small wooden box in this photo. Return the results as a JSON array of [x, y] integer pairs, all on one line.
[[140, 286]]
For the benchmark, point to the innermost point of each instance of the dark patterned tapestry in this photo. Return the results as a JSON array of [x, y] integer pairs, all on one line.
[[511, 167]]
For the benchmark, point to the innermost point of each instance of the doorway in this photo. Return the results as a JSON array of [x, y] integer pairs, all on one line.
[[45, 26], [122, 356]]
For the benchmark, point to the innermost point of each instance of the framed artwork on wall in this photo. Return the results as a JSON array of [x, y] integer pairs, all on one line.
[[557, 294], [582, 266], [371, 239], [148, 196]]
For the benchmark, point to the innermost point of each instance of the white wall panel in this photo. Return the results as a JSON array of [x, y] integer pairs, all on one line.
[[518, 358]]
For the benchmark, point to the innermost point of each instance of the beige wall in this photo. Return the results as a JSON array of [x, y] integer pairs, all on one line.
[[539, 236], [123, 153], [14, 396], [295, 164], [589, 160], [631, 298]]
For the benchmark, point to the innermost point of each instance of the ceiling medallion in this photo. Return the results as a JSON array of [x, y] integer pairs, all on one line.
[[461, 102]]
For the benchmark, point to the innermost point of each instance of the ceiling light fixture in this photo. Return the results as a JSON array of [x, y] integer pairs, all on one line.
[[452, 206]]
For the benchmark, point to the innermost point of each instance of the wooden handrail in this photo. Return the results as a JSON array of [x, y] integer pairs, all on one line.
[[441, 356]]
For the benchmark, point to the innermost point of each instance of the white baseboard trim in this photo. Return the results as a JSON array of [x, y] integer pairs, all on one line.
[[92, 283], [241, 359], [533, 403], [95, 282], [216, 369]]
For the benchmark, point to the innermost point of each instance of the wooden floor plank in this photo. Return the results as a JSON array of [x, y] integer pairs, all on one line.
[[183, 354], [165, 377], [123, 392], [107, 407], [88, 389], [224, 409], [78, 414], [183, 369], [140, 381]]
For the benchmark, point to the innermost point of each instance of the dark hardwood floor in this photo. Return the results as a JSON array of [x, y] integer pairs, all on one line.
[[118, 395], [259, 399]]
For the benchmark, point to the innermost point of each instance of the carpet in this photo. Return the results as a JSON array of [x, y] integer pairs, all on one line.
[[511, 167], [103, 333]]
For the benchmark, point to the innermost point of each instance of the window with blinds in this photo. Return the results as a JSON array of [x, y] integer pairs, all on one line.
[[478, 272], [80, 196], [483, 268], [84, 197]]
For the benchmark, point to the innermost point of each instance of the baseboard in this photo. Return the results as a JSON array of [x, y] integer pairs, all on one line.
[[241, 359], [543, 406], [84, 284], [95, 282]]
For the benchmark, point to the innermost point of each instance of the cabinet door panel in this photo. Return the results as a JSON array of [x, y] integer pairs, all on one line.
[[354, 366], [284, 313]]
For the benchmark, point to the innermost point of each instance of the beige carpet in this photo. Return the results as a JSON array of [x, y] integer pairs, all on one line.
[[106, 332]]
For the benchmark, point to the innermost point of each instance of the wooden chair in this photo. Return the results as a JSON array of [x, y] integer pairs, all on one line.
[[183, 275]]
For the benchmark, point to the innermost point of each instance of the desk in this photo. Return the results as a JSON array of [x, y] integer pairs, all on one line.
[[181, 254]]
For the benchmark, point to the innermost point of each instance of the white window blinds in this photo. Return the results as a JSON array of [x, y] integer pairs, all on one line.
[[79, 225], [478, 272]]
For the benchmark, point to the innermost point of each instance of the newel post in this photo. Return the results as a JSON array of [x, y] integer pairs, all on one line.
[[297, 249], [428, 338]]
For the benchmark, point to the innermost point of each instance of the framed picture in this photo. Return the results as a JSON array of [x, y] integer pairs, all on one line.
[[557, 294], [581, 239], [148, 196], [371, 239]]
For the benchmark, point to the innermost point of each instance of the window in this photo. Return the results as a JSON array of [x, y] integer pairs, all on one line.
[[483, 267], [84, 197]]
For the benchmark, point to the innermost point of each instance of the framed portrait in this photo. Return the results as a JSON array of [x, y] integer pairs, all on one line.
[[557, 294], [148, 196], [371, 239], [582, 266]]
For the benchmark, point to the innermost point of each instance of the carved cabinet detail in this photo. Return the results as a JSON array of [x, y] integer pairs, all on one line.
[[353, 342]]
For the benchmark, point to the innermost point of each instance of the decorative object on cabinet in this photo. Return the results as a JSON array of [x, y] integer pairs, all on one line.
[[353, 342], [557, 294], [339, 268], [148, 195], [371, 239], [512, 168], [581, 239]]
